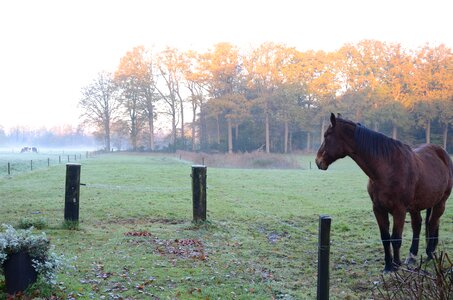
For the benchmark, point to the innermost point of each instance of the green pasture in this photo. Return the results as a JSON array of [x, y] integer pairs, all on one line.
[[26, 162], [136, 239]]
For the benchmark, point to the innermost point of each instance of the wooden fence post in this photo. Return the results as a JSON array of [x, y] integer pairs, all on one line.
[[71, 208], [199, 192], [323, 257], [9, 169]]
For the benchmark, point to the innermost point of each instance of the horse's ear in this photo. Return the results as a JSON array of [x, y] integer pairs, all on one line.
[[333, 120]]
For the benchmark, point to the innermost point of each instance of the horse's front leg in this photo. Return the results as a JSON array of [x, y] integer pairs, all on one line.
[[397, 234], [416, 222], [382, 219]]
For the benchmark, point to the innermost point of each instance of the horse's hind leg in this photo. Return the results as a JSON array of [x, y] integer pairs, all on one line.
[[416, 222], [432, 227]]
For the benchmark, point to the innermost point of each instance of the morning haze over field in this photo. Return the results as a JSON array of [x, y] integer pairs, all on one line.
[[232, 76]]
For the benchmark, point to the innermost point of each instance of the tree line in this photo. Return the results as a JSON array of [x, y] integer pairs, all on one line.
[[272, 97]]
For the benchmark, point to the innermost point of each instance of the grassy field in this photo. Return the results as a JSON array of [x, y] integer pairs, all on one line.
[[27, 161], [136, 239]]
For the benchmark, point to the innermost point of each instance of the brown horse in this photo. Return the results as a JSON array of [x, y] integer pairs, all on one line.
[[400, 180]]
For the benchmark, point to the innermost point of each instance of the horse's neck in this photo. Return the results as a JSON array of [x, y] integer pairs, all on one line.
[[369, 165]]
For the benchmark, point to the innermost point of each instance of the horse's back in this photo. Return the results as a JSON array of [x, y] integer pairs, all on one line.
[[435, 170], [433, 154]]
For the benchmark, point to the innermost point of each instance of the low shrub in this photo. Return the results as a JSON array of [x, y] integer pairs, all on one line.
[[252, 160], [431, 280], [38, 223]]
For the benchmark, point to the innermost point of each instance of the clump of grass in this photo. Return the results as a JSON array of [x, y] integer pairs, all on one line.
[[196, 225], [38, 223], [70, 225], [433, 281]]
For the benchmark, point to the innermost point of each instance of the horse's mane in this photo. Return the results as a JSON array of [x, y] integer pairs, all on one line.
[[375, 143]]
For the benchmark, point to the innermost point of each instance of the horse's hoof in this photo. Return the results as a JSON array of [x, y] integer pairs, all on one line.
[[390, 269], [411, 260]]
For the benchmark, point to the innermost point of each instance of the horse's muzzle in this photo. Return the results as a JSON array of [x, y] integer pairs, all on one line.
[[321, 163]]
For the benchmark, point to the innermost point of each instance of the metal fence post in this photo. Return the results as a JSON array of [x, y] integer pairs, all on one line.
[[323, 257], [71, 208], [199, 192]]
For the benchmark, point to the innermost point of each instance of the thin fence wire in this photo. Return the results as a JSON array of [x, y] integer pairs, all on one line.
[[136, 188], [305, 233], [18, 163]]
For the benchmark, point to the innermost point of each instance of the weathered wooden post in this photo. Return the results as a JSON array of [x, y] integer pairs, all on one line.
[[31, 165], [323, 257], [48, 162], [199, 192], [71, 208], [9, 169]]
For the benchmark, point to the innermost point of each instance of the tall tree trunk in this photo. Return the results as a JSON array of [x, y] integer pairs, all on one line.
[[308, 141], [107, 136], [236, 133], [290, 141], [218, 130], [428, 131], [151, 129], [267, 133], [203, 130], [323, 125], [183, 134], [395, 132], [173, 128], [445, 135], [134, 133], [230, 137], [194, 119], [286, 137]]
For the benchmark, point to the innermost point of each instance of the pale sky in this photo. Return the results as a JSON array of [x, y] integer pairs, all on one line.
[[50, 49]]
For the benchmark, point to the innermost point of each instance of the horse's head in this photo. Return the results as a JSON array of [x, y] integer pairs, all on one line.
[[334, 146]]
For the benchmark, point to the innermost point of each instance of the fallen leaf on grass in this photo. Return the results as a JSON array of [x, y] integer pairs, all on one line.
[[137, 233]]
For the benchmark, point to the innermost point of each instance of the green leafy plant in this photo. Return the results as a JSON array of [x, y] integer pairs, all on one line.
[[44, 260], [38, 223]]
